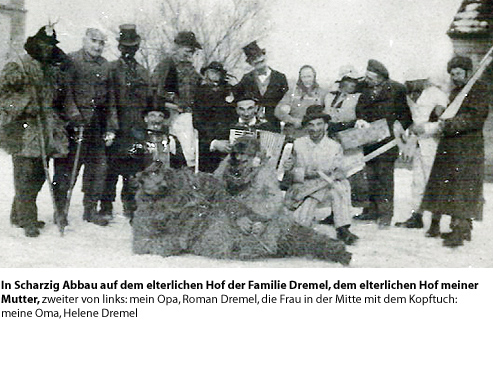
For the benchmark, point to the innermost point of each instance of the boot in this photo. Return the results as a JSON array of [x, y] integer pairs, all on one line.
[[415, 221], [366, 215], [91, 215], [106, 209], [434, 230], [466, 235], [31, 230], [454, 239], [15, 221], [346, 236]]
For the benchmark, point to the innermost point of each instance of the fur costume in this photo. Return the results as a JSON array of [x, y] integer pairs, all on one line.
[[179, 212]]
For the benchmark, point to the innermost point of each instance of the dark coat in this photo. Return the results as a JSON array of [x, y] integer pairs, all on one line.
[[455, 186], [212, 114], [276, 89], [179, 78], [131, 97], [389, 103], [90, 93]]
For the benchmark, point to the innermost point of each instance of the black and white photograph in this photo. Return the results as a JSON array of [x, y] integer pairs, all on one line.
[[211, 133], [246, 189]]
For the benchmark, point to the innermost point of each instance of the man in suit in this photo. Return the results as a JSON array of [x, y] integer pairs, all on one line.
[[265, 83], [381, 98]]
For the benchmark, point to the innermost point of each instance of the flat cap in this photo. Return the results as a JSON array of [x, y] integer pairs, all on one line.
[[95, 34], [377, 67]]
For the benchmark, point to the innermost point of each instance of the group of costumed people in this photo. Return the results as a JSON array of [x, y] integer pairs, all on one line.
[[117, 119]]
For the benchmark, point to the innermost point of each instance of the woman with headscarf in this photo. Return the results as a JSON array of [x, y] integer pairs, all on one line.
[[293, 105]]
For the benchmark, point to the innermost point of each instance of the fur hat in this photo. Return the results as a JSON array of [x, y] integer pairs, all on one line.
[[128, 35], [45, 34], [253, 51], [188, 39], [377, 67], [247, 145], [315, 112], [464, 63]]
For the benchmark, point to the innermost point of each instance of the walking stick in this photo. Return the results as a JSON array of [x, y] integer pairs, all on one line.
[[73, 175], [44, 158]]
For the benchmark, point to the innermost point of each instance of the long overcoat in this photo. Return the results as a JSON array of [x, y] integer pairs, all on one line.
[[132, 96], [455, 186]]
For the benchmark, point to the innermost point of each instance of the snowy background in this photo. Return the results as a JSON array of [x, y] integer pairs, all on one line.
[[88, 245]]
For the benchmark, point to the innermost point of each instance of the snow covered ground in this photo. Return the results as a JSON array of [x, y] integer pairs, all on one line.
[[87, 245]]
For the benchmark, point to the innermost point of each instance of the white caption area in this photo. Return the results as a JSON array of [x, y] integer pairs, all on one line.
[[243, 324]]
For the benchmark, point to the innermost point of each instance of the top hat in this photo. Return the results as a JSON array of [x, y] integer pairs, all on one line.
[[128, 35], [315, 112], [187, 39], [253, 51]]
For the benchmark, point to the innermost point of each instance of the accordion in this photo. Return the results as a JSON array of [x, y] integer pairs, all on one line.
[[270, 142]]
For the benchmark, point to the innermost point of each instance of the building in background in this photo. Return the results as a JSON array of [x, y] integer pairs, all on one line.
[[12, 28]]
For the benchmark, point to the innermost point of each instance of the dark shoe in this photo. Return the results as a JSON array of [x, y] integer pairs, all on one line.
[[415, 221], [91, 216], [454, 239], [328, 221], [466, 235], [106, 209], [433, 231], [346, 236], [366, 216], [39, 224], [31, 230]]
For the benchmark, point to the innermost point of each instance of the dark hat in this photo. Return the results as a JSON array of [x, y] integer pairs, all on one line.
[[128, 35], [315, 112], [253, 51], [377, 67], [45, 34], [461, 62], [214, 65], [187, 39], [158, 108], [245, 95]]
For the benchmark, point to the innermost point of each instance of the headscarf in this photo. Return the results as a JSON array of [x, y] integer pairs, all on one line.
[[307, 90]]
